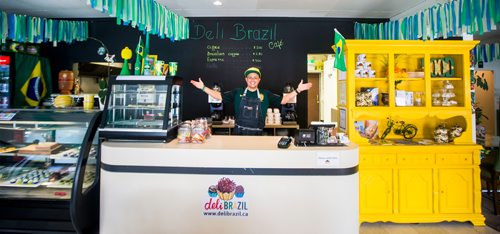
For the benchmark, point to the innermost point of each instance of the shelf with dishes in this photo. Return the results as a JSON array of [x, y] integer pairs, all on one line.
[[140, 123], [49, 177]]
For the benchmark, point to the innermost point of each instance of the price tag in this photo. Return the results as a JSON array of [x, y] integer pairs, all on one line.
[[145, 98], [7, 115]]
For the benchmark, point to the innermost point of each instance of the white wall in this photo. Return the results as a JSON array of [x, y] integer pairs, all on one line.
[[329, 91], [327, 85]]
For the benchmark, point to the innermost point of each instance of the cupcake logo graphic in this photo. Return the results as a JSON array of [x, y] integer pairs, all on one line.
[[225, 199], [226, 189]]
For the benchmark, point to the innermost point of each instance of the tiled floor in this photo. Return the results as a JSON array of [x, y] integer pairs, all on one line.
[[427, 228], [437, 228]]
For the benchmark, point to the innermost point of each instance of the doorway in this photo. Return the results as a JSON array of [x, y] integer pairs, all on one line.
[[322, 97], [313, 98]]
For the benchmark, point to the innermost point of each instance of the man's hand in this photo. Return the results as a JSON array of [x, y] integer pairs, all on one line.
[[303, 86], [198, 84]]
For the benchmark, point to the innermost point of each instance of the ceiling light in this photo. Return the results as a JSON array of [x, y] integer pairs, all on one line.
[[217, 3]]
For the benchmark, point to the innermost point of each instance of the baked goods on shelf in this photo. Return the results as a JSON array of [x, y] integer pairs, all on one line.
[[41, 148]]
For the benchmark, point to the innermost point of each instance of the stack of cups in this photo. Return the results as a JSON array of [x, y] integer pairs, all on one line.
[[88, 101], [269, 116], [276, 116]]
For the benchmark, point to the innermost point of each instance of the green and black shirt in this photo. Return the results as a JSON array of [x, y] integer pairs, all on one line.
[[267, 99]]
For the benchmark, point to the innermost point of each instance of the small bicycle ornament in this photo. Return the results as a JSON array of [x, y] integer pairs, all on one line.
[[408, 131]]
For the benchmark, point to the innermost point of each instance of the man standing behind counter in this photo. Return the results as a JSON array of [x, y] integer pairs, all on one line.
[[251, 103]]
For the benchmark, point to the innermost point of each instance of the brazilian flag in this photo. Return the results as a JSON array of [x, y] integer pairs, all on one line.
[[339, 44], [34, 89], [33, 80], [139, 51]]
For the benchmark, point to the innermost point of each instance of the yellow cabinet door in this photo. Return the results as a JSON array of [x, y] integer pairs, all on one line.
[[415, 191], [455, 191], [376, 191]]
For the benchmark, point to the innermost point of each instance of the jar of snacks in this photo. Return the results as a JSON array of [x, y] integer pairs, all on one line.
[[198, 133], [184, 133]]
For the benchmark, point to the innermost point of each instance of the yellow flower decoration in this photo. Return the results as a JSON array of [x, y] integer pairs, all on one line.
[[126, 53]]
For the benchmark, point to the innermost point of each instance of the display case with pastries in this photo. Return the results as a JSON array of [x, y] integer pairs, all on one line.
[[142, 108], [48, 169], [40, 148]]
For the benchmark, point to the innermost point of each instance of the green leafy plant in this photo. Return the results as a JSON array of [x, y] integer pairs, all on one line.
[[479, 81], [479, 115], [103, 90]]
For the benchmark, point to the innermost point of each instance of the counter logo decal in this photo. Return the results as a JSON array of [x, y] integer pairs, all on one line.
[[226, 199]]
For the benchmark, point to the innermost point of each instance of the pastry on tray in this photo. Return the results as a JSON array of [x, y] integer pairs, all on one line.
[[41, 148], [7, 149]]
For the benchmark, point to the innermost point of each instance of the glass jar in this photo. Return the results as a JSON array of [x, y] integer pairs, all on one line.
[[198, 133], [322, 135], [418, 98], [184, 133]]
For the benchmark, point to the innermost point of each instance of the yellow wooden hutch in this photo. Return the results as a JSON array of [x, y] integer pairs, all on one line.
[[427, 84]]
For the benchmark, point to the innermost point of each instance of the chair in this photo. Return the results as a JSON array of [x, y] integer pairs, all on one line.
[[490, 173]]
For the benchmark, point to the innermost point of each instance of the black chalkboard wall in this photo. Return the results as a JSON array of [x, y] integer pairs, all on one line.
[[219, 50]]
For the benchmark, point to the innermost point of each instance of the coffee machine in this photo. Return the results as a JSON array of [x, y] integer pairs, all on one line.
[[288, 114], [216, 106]]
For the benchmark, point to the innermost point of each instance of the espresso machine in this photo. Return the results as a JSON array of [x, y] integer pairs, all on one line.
[[216, 106], [288, 113]]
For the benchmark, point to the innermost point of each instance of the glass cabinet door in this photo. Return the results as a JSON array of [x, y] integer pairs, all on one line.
[[38, 159], [137, 106]]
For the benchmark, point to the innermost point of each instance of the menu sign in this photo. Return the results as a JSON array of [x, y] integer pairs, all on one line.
[[237, 43]]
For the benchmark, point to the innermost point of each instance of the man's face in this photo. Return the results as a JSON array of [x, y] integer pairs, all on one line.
[[252, 80]]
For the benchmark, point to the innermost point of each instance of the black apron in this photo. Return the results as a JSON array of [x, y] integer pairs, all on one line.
[[249, 121]]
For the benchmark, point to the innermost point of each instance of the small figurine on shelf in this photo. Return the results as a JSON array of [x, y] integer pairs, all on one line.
[[126, 55], [77, 89], [408, 131]]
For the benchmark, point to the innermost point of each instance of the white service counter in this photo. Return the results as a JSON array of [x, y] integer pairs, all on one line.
[[229, 184]]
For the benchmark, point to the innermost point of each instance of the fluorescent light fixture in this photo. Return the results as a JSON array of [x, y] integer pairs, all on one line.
[[217, 3]]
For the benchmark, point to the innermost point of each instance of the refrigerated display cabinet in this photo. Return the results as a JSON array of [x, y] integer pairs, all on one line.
[[142, 108], [49, 170]]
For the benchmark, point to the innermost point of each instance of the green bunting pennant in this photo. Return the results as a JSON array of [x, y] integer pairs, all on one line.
[[487, 52], [22, 28], [445, 19], [147, 15]]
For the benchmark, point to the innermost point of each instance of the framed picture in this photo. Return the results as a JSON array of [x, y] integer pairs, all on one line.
[[148, 65], [343, 119]]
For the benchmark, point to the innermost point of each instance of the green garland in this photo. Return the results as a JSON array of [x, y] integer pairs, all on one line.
[[449, 19], [22, 28], [147, 15], [486, 52]]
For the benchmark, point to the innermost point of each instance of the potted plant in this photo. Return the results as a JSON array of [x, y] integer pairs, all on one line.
[[103, 90]]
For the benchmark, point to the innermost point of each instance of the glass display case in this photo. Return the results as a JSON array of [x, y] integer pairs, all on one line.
[[142, 108], [48, 162]]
